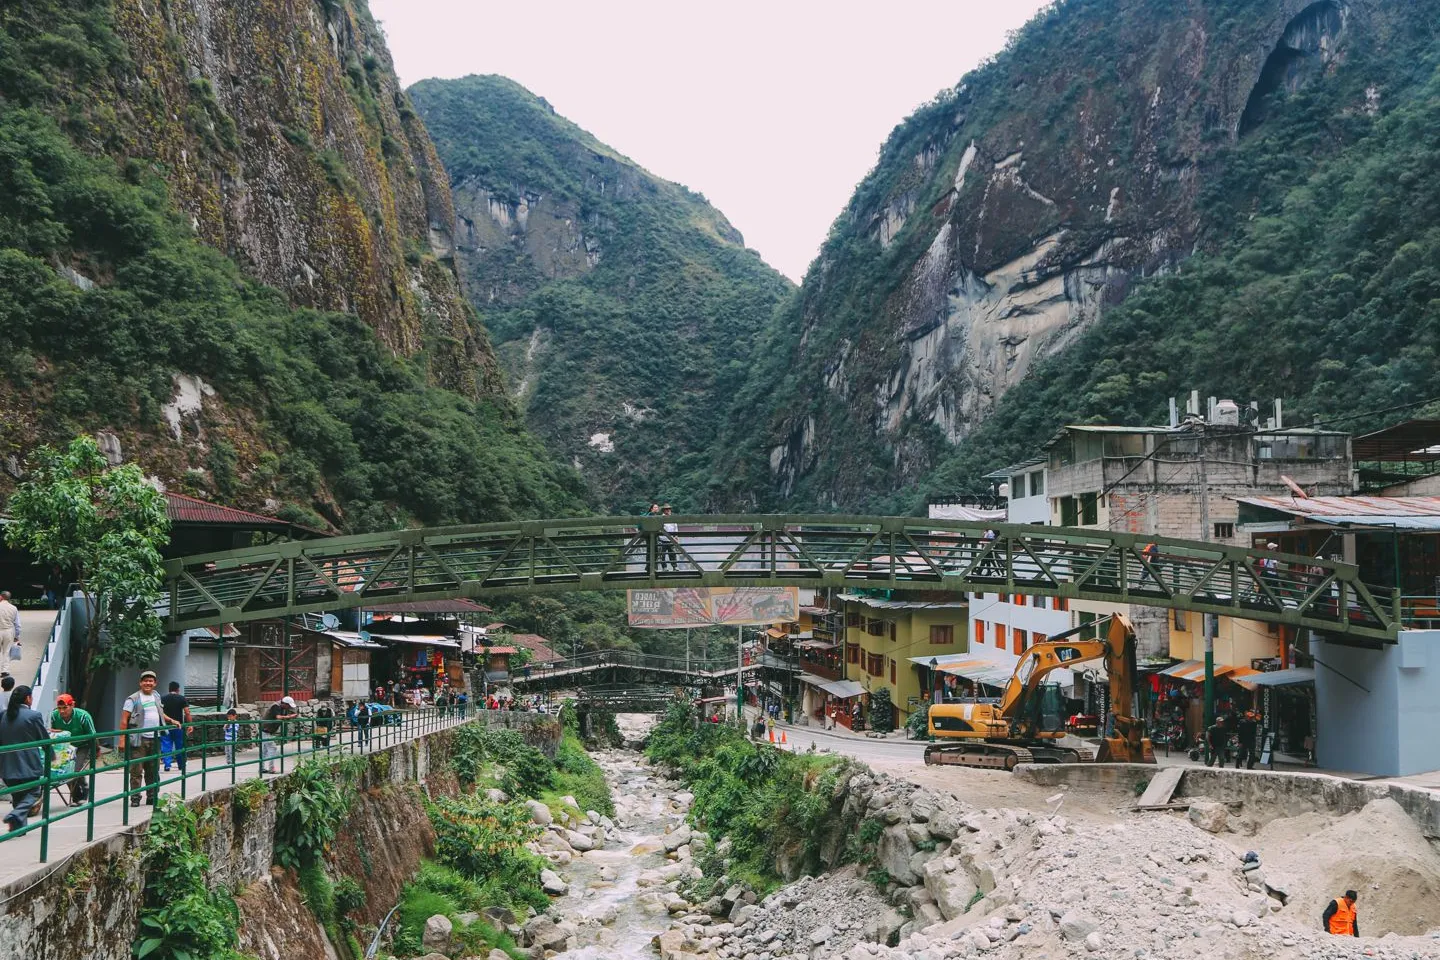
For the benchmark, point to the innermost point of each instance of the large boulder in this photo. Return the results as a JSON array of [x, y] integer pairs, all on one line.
[[1209, 815], [438, 930], [544, 933], [893, 853], [1076, 926], [578, 841], [676, 838], [539, 812], [551, 883], [951, 887]]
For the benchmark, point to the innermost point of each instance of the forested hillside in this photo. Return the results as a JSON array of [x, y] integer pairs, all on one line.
[[624, 307], [225, 242], [1131, 201]]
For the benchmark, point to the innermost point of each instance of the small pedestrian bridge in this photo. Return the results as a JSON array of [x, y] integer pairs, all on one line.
[[903, 553]]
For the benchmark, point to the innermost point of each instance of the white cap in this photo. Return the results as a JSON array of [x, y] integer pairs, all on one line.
[[289, 701], [1273, 545]]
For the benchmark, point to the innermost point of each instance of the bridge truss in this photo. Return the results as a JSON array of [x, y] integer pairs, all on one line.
[[901, 553]]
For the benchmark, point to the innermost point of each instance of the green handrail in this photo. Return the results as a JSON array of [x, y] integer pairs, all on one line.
[[296, 739]]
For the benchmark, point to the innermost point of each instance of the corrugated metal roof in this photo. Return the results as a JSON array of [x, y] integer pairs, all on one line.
[[1355, 510], [537, 645], [879, 604], [183, 509]]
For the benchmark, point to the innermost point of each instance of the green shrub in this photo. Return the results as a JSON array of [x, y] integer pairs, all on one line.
[[581, 777], [485, 843], [312, 809], [181, 918]]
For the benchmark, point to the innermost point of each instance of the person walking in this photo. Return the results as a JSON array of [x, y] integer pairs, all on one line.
[[172, 740], [23, 770], [1245, 730], [272, 731], [1339, 917], [142, 713], [1216, 736], [68, 718], [9, 626]]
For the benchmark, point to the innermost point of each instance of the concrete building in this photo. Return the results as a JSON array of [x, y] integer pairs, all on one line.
[[887, 632], [1184, 481]]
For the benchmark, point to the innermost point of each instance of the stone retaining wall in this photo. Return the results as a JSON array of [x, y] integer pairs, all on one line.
[[86, 907], [1262, 792]]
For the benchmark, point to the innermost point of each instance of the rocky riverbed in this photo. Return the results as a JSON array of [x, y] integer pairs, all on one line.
[[939, 879]]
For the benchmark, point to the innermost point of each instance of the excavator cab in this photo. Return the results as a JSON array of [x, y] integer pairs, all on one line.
[[1043, 712]]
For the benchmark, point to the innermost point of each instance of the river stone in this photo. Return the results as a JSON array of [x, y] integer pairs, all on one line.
[[539, 812], [498, 955], [498, 916], [542, 932], [1075, 925], [551, 883], [570, 801], [437, 932], [578, 841], [676, 839], [497, 796]]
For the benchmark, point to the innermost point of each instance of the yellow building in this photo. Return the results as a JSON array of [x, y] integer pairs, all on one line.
[[885, 631]]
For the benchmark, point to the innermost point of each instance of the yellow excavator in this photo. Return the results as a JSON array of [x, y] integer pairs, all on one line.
[[1026, 724]]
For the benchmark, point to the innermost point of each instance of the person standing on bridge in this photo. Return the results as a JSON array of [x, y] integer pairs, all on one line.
[[669, 551], [23, 770]]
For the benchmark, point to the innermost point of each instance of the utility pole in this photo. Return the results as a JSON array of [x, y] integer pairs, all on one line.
[[1207, 621]]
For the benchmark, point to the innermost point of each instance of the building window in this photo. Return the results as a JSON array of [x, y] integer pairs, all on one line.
[[892, 671], [942, 633], [1060, 603], [1089, 509], [875, 664], [999, 636], [1037, 483], [1087, 620], [894, 631], [876, 628], [980, 633], [852, 618], [1019, 639], [1224, 531], [1180, 620], [1069, 512], [852, 653], [1037, 638]]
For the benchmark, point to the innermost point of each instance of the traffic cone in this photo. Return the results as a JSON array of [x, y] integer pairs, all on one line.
[[782, 737], [772, 736]]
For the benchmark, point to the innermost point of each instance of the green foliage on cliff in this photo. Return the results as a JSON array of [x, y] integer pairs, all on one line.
[[648, 342], [342, 412], [1321, 286], [333, 422], [181, 916]]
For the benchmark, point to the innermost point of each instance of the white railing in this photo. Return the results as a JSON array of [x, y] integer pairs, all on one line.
[[50, 674]]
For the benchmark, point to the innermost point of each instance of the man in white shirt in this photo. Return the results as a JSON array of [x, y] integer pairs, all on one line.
[[9, 625], [669, 552], [142, 711]]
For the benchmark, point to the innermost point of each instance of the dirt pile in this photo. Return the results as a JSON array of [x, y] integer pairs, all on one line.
[[1378, 852]]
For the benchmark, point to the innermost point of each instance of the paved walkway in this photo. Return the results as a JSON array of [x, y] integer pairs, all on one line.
[[20, 856], [34, 631]]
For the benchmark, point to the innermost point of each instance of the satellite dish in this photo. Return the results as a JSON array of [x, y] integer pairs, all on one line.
[[365, 635], [329, 621]]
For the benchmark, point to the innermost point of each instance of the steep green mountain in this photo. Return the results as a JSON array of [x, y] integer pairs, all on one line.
[[226, 245], [1134, 199], [624, 307]]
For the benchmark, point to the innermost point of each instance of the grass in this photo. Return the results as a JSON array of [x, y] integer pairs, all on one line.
[[438, 889]]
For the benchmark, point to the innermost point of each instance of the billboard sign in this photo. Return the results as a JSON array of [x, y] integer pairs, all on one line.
[[682, 607]]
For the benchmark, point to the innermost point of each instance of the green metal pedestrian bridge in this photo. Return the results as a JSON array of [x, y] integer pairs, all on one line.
[[900, 553]]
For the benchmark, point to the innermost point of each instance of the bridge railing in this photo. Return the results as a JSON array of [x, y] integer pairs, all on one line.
[[883, 552], [596, 660]]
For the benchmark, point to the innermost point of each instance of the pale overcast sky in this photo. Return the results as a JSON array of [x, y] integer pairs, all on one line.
[[774, 110]]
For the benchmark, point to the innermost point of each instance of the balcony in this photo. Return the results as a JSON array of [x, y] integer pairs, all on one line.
[[822, 668]]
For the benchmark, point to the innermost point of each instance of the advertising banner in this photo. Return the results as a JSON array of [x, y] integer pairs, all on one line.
[[712, 606]]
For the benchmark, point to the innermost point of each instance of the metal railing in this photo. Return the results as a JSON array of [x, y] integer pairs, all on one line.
[[205, 759], [680, 669], [907, 553]]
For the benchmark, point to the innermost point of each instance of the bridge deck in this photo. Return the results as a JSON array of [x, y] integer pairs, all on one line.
[[904, 553]]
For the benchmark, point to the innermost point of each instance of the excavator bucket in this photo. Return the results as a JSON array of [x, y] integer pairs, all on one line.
[[1120, 750]]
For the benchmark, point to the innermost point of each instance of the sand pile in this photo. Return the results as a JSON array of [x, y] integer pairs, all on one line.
[[1377, 851]]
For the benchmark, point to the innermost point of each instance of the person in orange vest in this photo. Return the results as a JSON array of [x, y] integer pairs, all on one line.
[[1339, 917]]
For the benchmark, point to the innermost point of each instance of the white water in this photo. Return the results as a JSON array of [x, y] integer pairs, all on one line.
[[619, 918]]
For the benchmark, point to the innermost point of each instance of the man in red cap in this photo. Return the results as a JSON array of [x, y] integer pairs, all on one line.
[[78, 723]]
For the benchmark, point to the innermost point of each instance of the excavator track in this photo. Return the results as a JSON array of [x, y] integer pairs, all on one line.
[[989, 756]]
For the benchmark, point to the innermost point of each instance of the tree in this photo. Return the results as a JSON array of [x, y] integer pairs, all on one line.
[[105, 527]]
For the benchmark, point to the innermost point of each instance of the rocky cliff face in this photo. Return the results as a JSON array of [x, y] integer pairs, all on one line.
[[624, 307], [288, 143], [1006, 215]]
